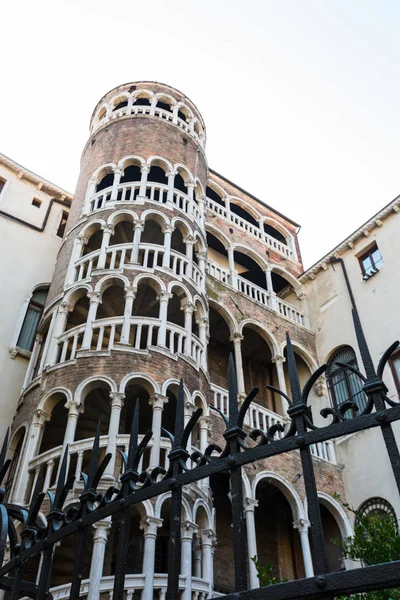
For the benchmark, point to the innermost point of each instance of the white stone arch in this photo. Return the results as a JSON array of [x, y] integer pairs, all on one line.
[[198, 299], [173, 381], [225, 241], [179, 223], [142, 93], [160, 161], [181, 106], [198, 183], [74, 294], [246, 485], [109, 280], [101, 171], [131, 159], [262, 262], [286, 275], [303, 353], [187, 516], [285, 487], [177, 284], [88, 226], [151, 386], [337, 512], [184, 172], [200, 131], [161, 96], [120, 97], [45, 403], [199, 238], [155, 282], [200, 503], [217, 189], [89, 384], [226, 315], [246, 206], [155, 215], [278, 226], [268, 337], [117, 217], [204, 403]]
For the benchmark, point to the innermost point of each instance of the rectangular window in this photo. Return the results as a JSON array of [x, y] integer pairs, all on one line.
[[2, 184], [62, 225], [370, 261], [36, 203]]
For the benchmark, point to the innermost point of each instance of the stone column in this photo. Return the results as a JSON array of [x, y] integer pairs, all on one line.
[[202, 258], [117, 402], [79, 243], [302, 525], [249, 507], [203, 324], [44, 360], [117, 179], [32, 361], [157, 401], [31, 449], [204, 429], [91, 190], [137, 234], [190, 193], [74, 410], [130, 294], [162, 332], [143, 182], [101, 530], [207, 538], [59, 328], [187, 530], [108, 230], [232, 269], [188, 308], [270, 288], [196, 557], [279, 360], [237, 338], [94, 299], [201, 201], [171, 184], [189, 241], [149, 526], [167, 231]]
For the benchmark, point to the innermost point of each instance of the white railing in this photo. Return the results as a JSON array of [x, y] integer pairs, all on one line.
[[218, 272], [253, 291], [135, 583], [259, 417], [143, 334], [158, 112], [254, 230], [258, 294], [150, 257], [155, 192], [291, 312], [79, 453]]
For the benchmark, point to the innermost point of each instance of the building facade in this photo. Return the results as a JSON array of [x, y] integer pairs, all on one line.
[[165, 268]]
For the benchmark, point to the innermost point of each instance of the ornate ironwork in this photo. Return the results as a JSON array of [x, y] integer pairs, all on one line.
[[134, 487]]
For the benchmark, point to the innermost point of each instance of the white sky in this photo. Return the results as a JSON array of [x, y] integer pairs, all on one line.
[[300, 97]]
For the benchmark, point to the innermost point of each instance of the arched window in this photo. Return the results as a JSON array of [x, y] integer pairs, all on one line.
[[344, 385], [33, 315], [377, 506]]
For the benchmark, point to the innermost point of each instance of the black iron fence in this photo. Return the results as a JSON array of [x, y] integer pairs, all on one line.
[[134, 487]]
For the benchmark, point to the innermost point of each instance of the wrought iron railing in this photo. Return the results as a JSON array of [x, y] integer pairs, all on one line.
[[25, 534]]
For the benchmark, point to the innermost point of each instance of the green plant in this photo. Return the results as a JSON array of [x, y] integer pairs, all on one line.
[[376, 540], [265, 574]]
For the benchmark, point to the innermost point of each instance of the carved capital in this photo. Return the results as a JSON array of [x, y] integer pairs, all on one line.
[[107, 228], [130, 292], [158, 401], [236, 338], [207, 537], [188, 529], [150, 525], [117, 399], [302, 525], [278, 360], [250, 504], [94, 297], [165, 296], [300, 293], [64, 307]]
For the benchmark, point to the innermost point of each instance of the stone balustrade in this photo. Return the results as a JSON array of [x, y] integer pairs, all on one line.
[[155, 192], [253, 230]]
